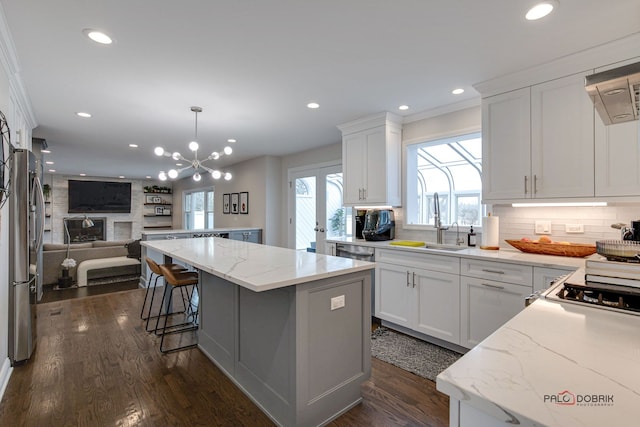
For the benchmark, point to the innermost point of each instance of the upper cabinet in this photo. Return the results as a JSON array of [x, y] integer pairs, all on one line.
[[371, 153], [538, 142]]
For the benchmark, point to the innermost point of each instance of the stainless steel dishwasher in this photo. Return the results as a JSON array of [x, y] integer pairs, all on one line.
[[361, 253]]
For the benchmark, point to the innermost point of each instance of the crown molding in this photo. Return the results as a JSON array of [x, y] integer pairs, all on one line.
[[11, 66], [445, 109], [578, 62]]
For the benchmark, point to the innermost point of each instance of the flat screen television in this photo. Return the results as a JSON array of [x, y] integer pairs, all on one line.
[[99, 196]]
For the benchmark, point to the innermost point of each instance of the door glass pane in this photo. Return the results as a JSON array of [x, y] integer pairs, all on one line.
[[339, 218], [305, 212]]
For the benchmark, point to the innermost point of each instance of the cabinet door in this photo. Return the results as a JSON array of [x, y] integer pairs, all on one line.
[[485, 306], [354, 164], [562, 138], [543, 276], [506, 138], [393, 299], [438, 312], [618, 153]]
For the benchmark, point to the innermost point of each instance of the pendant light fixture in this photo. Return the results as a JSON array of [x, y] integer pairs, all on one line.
[[195, 163]]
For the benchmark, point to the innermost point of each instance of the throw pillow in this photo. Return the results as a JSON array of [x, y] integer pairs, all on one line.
[[134, 250]]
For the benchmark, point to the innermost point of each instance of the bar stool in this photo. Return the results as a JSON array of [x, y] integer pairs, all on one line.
[[180, 281], [155, 270]]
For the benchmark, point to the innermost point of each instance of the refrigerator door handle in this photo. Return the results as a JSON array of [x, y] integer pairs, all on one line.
[[37, 188]]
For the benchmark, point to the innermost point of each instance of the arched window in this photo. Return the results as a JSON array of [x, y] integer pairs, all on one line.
[[451, 167]]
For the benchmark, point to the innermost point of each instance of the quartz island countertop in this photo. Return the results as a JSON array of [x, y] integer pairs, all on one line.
[[254, 266], [554, 364]]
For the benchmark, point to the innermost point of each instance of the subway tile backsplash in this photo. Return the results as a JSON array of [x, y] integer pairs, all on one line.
[[516, 223]]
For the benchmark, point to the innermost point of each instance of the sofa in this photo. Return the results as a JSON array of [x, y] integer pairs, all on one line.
[[54, 253]]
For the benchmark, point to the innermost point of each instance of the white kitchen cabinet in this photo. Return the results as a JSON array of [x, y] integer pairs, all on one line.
[[491, 293], [421, 299], [506, 145], [485, 305], [543, 276], [538, 142], [371, 154], [562, 139], [330, 248]]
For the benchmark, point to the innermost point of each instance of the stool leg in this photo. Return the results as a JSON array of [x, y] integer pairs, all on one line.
[[146, 294], [165, 332], [153, 294]]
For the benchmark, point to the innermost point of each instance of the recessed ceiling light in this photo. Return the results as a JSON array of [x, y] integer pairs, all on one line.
[[97, 36], [133, 145], [83, 174], [457, 91], [178, 164], [148, 176], [121, 176], [313, 105], [52, 170], [83, 114], [231, 140], [540, 10], [49, 162], [403, 107], [46, 151]]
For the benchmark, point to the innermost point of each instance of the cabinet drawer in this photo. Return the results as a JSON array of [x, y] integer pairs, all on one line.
[[442, 263], [499, 271]]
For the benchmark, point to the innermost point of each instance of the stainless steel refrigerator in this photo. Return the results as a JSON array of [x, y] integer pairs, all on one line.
[[26, 228]]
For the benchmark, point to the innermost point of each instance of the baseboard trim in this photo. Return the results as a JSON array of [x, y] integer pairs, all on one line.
[[5, 374]]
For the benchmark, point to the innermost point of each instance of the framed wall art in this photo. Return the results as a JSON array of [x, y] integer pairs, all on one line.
[[159, 210], [234, 202], [244, 202], [226, 203]]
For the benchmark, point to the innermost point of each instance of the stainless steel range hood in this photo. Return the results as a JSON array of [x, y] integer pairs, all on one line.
[[615, 93]]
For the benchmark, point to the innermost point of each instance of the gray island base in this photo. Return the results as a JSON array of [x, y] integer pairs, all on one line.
[[291, 329]]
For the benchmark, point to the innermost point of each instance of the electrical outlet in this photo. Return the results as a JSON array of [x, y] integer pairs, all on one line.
[[337, 302], [574, 228], [543, 227]]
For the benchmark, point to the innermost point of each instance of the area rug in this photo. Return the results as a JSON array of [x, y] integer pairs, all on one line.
[[419, 357]]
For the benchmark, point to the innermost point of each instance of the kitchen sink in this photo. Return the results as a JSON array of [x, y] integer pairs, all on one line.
[[444, 247]]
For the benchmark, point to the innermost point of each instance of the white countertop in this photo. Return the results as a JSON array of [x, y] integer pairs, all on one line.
[[253, 266], [546, 349], [502, 255], [205, 230]]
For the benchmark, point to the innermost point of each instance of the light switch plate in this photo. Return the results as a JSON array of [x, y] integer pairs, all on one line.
[[337, 302], [574, 228], [543, 227]]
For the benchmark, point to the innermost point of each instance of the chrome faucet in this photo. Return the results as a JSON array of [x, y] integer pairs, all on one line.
[[436, 219], [459, 241]]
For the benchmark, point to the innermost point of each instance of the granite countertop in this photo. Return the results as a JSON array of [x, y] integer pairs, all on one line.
[[502, 255], [254, 266], [520, 373]]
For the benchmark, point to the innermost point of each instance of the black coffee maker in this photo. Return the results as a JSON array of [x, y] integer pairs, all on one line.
[[360, 218], [633, 232], [379, 224]]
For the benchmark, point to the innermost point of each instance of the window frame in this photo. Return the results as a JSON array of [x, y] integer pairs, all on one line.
[[209, 192], [435, 140]]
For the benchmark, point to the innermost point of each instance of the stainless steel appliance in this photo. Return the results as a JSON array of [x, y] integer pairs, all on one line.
[[360, 218], [379, 224], [362, 253], [575, 289], [26, 219], [616, 93]]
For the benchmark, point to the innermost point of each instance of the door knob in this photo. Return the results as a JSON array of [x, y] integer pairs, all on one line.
[[316, 227]]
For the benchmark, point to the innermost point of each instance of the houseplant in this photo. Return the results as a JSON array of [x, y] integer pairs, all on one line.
[[46, 191]]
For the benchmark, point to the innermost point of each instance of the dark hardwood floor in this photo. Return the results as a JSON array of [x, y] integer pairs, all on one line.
[[96, 366]]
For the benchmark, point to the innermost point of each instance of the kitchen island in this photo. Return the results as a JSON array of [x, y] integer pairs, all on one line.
[[554, 364], [291, 329]]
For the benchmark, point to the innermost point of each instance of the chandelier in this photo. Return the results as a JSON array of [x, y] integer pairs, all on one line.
[[195, 163]]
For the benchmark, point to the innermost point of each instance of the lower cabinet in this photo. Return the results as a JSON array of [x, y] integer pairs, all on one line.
[[253, 236], [486, 305], [423, 300]]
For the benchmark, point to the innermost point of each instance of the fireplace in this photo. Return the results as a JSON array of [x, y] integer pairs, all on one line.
[[77, 234]]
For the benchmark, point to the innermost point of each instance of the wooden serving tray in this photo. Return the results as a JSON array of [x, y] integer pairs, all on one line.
[[578, 250]]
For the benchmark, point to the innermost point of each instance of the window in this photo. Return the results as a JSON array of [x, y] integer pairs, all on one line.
[[452, 168], [198, 209]]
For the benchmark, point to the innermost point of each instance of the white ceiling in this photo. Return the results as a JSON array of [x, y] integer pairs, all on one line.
[[253, 65]]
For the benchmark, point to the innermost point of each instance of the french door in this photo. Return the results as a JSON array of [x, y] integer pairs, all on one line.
[[316, 212]]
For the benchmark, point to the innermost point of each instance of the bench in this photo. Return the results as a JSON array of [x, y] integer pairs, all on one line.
[[95, 264]]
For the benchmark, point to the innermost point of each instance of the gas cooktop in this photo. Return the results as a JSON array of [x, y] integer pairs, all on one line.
[[575, 289]]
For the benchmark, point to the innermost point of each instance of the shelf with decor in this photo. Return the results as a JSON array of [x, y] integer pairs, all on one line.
[[157, 208]]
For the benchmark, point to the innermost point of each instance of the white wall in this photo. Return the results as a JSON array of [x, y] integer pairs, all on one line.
[[260, 178], [4, 257]]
